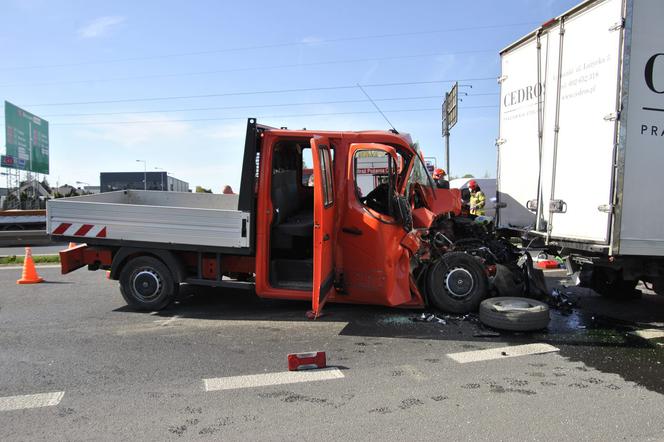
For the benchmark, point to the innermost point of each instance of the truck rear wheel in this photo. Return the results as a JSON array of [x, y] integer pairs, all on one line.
[[147, 284], [611, 284], [457, 283]]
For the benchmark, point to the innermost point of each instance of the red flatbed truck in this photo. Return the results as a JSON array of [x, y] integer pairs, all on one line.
[[401, 244]]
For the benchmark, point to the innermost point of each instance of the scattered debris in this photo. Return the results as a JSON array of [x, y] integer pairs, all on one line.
[[561, 301], [483, 332], [429, 317], [469, 317]]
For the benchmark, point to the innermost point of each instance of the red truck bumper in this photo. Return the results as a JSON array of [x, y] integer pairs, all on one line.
[[82, 255]]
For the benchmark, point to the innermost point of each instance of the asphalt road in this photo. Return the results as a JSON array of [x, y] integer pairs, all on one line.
[[115, 374]]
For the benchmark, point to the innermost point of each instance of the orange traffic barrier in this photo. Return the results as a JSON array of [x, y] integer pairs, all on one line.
[[30, 275]]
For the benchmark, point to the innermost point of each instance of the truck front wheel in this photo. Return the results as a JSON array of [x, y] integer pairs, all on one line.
[[457, 283], [147, 284]]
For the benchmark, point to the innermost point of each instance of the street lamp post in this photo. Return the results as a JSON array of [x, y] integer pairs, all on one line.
[[145, 173]]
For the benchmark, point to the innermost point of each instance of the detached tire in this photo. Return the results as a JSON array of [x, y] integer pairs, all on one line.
[[457, 283], [147, 284], [514, 314]]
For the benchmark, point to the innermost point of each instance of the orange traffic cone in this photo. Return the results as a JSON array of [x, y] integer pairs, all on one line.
[[72, 245], [30, 275]]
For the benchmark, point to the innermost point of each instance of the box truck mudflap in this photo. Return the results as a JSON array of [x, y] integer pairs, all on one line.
[[393, 240]]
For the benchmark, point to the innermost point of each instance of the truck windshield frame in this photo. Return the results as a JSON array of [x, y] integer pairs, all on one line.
[[419, 173]]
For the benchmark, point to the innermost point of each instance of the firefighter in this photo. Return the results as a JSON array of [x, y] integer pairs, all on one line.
[[439, 179], [477, 199]]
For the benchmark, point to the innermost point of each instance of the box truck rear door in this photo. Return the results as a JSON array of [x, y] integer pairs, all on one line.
[[518, 146], [585, 86]]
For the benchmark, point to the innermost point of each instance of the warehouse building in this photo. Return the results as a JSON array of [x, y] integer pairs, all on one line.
[[110, 181]]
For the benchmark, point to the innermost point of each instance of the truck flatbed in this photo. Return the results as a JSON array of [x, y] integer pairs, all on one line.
[[190, 219]]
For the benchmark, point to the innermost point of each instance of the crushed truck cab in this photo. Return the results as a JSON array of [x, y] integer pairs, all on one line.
[[366, 227]]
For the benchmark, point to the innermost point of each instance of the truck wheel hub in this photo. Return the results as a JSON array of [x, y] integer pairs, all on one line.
[[147, 284], [459, 283]]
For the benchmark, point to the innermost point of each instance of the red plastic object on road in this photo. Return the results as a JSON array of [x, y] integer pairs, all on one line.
[[306, 361], [548, 264]]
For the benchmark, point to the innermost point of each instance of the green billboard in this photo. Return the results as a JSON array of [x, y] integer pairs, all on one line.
[[26, 139]]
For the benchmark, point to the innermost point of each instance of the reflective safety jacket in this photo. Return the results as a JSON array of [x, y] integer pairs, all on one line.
[[477, 201]]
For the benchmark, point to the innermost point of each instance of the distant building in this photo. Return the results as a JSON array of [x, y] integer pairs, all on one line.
[[66, 190], [33, 188], [111, 181], [92, 189]]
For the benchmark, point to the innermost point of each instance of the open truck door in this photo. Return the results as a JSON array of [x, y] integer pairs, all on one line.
[[376, 266], [324, 224]]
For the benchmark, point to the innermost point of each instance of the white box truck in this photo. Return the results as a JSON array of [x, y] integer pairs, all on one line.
[[581, 143]]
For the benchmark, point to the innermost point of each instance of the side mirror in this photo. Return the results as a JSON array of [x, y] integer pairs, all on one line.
[[402, 212]]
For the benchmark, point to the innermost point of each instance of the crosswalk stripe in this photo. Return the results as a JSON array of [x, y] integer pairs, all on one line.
[[30, 401], [267, 379], [649, 333], [501, 352]]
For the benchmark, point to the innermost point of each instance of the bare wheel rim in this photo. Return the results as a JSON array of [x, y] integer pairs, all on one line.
[[459, 282]]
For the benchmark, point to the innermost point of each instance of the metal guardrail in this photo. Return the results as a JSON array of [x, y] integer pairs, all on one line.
[[24, 238]]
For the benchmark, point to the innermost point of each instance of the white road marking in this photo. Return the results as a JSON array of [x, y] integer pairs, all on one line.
[[267, 379], [502, 352], [164, 322], [30, 401], [648, 333]]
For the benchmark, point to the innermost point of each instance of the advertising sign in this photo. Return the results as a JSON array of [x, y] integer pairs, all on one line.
[[26, 140]]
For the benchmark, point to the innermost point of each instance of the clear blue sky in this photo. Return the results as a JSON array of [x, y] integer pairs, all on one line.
[[91, 51]]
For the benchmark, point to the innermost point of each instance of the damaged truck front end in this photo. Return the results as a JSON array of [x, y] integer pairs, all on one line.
[[460, 260]]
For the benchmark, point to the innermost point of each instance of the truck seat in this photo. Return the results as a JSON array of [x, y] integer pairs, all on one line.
[[290, 218], [299, 224]]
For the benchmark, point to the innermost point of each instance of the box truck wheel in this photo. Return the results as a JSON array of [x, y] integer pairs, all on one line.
[[147, 284], [457, 283], [610, 283]]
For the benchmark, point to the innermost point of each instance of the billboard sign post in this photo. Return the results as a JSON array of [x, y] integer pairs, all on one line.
[[26, 140], [450, 115]]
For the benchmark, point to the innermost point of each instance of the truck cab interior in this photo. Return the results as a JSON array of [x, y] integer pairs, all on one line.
[[291, 235]]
